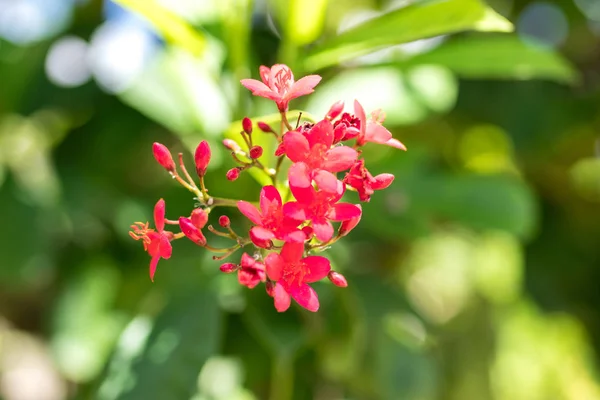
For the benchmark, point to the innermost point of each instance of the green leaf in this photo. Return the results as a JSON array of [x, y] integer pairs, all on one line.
[[503, 56], [162, 361], [305, 20], [175, 29], [416, 21]]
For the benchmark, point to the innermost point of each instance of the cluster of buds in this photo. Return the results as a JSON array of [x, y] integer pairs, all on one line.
[[285, 234]]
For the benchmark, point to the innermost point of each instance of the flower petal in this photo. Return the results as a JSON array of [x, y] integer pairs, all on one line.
[[248, 278], [250, 212], [164, 248], [326, 181], [339, 159], [321, 133], [153, 264], [296, 236], [396, 143], [270, 200], [382, 181], [199, 218], [261, 234], [281, 298], [292, 252], [323, 230], [299, 175], [318, 268], [359, 112], [377, 133], [343, 212], [296, 146], [306, 297], [303, 86], [265, 73], [295, 211], [255, 86], [274, 264], [159, 215]]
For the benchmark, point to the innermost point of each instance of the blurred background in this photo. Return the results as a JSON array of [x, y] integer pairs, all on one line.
[[474, 276]]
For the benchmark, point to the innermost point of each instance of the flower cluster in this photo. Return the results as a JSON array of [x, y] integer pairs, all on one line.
[[326, 161]]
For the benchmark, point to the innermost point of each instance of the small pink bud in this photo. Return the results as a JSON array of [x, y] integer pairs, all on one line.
[[191, 231], [270, 288], [335, 110], [224, 221], [308, 231], [199, 218], [337, 279], [247, 125], [202, 157], [163, 156], [256, 152], [347, 226], [233, 174], [228, 268], [263, 126], [231, 145]]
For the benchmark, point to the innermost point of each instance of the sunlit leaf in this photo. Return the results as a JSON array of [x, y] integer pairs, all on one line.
[[305, 20], [505, 57], [417, 21]]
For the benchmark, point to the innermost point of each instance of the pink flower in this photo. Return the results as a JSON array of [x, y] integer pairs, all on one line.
[[372, 130], [278, 85], [251, 272], [320, 208], [270, 221], [293, 274], [314, 158], [365, 184], [192, 227], [156, 243]]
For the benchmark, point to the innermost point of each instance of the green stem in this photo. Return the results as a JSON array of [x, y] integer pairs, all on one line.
[[282, 378]]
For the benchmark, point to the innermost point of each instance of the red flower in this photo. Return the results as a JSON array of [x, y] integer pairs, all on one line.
[[192, 227], [360, 179], [293, 273], [314, 158], [372, 130], [320, 208], [270, 221], [251, 272], [278, 85], [156, 243]]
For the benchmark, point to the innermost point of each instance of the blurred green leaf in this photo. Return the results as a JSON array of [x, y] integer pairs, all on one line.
[[505, 57], [417, 21], [305, 20], [168, 358], [175, 29]]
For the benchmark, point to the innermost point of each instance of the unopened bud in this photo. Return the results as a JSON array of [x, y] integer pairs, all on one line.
[[233, 174], [191, 231], [337, 279], [256, 152], [347, 226], [199, 218], [263, 126], [224, 221], [163, 156], [335, 110], [231, 145], [247, 125], [228, 268], [202, 157], [270, 288]]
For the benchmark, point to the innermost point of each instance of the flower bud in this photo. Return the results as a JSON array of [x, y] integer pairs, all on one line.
[[231, 145], [337, 279], [347, 226], [202, 157], [224, 221], [199, 218], [247, 125], [263, 126], [191, 231], [233, 174], [335, 110], [256, 152], [270, 288], [163, 156], [228, 268]]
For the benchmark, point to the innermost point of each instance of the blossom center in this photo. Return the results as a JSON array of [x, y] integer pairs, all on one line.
[[294, 273]]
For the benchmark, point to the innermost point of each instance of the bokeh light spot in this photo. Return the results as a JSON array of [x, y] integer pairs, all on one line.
[[544, 24], [66, 62]]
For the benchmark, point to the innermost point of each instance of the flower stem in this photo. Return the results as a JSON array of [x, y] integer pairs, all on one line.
[[285, 122], [282, 379]]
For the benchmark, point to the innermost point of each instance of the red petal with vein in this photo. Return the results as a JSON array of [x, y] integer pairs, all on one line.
[[323, 230], [296, 146], [339, 159], [250, 212], [343, 212], [306, 297], [318, 268], [281, 298], [274, 265], [159, 215]]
